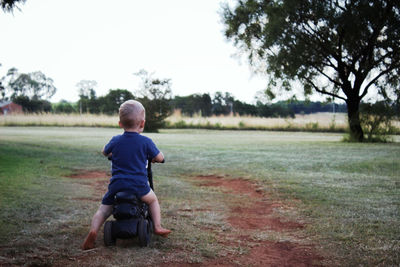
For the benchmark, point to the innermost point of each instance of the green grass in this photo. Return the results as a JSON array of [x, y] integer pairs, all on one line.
[[348, 193]]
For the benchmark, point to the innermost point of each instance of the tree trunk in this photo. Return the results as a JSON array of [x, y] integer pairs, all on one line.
[[353, 112]]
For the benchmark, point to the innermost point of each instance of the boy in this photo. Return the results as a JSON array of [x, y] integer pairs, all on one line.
[[129, 153]]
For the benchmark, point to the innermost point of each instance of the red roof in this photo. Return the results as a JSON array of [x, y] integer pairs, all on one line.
[[8, 107]]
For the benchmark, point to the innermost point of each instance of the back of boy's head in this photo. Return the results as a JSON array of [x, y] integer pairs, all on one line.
[[131, 114]]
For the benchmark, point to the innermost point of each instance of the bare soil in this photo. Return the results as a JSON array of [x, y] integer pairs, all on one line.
[[255, 215]]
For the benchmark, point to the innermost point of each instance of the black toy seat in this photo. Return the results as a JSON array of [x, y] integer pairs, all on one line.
[[126, 206], [125, 197]]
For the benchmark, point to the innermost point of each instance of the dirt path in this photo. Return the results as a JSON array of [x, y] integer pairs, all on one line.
[[248, 219]]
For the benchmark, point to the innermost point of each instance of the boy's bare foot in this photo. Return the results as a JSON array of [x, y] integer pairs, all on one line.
[[162, 232], [89, 241]]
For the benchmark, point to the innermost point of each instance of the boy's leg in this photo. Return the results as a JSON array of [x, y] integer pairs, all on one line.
[[152, 201], [99, 218]]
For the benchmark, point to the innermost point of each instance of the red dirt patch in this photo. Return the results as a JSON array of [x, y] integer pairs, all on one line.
[[99, 182], [282, 254], [85, 174], [268, 253], [257, 214], [240, 186]]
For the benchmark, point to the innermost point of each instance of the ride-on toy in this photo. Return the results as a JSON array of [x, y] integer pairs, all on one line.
[[132, 217]]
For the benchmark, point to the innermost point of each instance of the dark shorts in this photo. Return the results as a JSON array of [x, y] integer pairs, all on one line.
[[121, 184]]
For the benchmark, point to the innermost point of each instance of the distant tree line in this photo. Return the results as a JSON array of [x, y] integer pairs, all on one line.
[[196, 104], [225, 104], [32, 91], [154, 93], [206, 105]]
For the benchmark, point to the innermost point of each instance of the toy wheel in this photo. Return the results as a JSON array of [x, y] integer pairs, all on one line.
[[144, 233], [108, 238], [151, 227]]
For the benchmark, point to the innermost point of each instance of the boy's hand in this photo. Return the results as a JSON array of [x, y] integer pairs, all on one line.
[[104, 153], [107, 155], [159, 158]]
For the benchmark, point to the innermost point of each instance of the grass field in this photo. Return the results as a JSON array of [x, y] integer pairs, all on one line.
[[347, 195]]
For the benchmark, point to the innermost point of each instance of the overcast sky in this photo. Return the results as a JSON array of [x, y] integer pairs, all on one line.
[[108, 41]]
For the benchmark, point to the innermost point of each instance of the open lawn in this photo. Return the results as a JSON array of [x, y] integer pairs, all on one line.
[[231, 198]]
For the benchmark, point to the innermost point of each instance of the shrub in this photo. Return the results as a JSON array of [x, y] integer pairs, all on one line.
[[376, 120]]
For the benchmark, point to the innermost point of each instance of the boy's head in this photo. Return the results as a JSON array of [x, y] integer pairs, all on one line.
[[131, 114]]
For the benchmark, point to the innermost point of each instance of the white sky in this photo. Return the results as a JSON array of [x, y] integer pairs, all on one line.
[[108, 41]]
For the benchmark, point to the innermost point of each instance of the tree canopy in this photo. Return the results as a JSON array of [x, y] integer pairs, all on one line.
[[341, 48], [34, 85], [10, 5], [111, 102], [30, 90]]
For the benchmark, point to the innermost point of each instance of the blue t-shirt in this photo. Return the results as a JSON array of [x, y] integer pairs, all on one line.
[[130, 152]]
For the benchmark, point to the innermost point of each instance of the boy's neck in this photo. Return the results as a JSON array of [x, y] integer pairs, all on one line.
[[134, 130]]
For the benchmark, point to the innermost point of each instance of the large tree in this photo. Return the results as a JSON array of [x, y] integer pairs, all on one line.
[[341, 48]]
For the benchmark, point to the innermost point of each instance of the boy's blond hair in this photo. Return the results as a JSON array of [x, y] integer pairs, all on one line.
[[131, 114]]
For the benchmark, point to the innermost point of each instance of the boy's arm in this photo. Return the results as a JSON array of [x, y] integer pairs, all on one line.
[[105, 154], [159, 158]]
